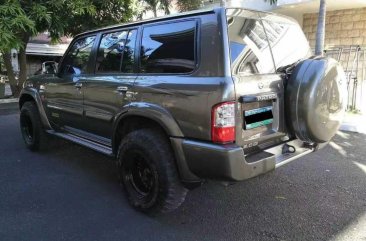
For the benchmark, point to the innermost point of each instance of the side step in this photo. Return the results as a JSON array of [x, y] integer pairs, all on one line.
[[84, 142]]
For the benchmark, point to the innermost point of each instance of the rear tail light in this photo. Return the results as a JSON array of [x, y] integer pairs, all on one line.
[[223, 123]]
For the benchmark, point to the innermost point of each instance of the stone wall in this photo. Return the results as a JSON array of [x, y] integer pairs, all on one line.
[[343, 27]]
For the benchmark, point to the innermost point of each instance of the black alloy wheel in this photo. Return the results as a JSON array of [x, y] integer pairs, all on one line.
[[31, 126], [148, 172], [140, 177], [27, 128]]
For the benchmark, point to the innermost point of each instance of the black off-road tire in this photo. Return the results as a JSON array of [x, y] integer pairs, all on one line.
[[148, 172], [31, 127]]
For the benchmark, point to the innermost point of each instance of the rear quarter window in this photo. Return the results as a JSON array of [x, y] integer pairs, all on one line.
[[168, 48]]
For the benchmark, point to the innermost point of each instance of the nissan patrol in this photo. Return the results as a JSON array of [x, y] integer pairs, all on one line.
[[225, 94]]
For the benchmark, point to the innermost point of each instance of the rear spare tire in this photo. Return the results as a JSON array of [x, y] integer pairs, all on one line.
[[315, 99]]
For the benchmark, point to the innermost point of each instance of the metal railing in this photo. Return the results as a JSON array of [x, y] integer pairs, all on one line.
[[353, 59]]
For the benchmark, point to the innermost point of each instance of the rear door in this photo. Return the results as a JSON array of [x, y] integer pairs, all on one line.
[[108, 91], [257, 49]]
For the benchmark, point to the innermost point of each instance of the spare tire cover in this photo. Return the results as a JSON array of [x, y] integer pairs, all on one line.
[[316, 99]]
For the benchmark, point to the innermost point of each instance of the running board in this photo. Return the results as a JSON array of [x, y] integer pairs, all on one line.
[[83, 142]]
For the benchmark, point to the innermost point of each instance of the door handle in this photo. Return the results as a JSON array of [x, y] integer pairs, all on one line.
[[122, 89], [78, 85]]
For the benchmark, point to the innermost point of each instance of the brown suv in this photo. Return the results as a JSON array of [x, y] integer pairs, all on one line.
[[224, 94]]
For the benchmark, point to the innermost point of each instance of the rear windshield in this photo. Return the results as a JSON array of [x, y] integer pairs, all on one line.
[[252, 37], [286, 39]]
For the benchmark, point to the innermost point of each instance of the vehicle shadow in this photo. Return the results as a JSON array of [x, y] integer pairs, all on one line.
[[314, 198]]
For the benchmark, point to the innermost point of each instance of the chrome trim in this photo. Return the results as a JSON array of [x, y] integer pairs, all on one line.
[[54, 107]]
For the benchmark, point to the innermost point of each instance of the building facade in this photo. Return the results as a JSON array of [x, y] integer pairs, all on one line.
[[40, 49]]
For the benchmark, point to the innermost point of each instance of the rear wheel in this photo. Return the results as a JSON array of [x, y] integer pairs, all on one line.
[[31, 126], [148, 173]]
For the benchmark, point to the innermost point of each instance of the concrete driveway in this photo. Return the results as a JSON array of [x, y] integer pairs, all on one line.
[[71, 193]]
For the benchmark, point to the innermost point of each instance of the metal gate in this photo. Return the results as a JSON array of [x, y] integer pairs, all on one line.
[[353, 60]]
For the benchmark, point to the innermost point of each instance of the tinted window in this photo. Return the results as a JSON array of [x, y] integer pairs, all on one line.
[[116, 52], [249, 49], [282, 37], [168, 48], [128, 59], [76, 60]]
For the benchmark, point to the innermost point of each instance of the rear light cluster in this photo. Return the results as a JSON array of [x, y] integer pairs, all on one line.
[[223, 123]]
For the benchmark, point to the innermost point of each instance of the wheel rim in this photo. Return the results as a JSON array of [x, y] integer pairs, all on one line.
[[140, 176], [27, 128]]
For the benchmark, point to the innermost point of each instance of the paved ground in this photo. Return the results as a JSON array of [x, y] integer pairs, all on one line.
[[71, 193], [354, 122]]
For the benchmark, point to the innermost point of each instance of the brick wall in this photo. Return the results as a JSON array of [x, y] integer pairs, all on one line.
[[343, 27]]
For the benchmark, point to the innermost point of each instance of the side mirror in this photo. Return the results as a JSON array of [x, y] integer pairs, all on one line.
[[49, 67]]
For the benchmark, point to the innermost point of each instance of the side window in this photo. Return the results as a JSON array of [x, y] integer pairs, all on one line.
[[249, 48], [128, 59], [76, 60], [116, 52], [169, 48]]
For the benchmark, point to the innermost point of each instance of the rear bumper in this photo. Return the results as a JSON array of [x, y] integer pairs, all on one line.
[[228, 162]]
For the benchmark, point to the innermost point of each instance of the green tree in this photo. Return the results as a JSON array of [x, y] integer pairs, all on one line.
[[106, 13], [188, 5], [14, 23], [20, 20], [138, 9], [155, 5]]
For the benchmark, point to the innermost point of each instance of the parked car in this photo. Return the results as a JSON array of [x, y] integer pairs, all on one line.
[[224, 94]]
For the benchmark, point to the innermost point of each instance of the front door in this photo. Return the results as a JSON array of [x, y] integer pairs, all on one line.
[[108, 91], [64, 92]]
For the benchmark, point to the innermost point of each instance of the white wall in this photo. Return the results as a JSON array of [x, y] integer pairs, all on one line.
[[252, 4], [262, 5]]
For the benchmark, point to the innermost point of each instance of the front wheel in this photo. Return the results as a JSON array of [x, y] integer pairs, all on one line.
[[31, 126], [148, 172]]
